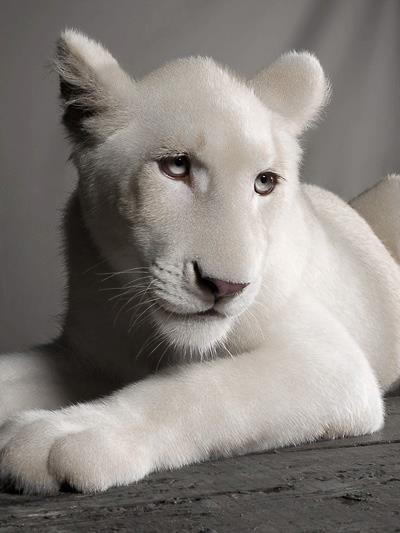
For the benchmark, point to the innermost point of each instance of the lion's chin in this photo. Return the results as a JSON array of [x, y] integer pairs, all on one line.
[[196, 333]]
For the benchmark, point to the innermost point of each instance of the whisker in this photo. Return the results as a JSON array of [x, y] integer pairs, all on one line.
[[155, 348], [129, 285], [109, 275], [122, 307], [137, 289], [257, 323], [143, 313], [94, 266], [146, 289], [149, 342], [226, 348], [136, 295], [162, 357], [138, 304]]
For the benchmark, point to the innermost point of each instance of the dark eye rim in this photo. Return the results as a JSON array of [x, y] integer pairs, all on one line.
[[276, 178], [165, 161]]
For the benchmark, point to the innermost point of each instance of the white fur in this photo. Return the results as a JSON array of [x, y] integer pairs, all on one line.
[[305, 351], [91, 52], [379, 205], [295, 87]]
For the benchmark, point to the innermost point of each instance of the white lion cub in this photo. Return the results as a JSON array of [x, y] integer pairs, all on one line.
[[215, 303]]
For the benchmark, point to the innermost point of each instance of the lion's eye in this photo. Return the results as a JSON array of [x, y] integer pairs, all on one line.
[[265, 182], [176, 167]]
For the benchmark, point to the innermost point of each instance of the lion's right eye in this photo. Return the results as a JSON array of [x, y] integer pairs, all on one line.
[[265, 182], [175, 167]]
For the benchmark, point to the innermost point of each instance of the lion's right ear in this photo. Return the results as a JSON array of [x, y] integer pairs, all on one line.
[[95, 91]]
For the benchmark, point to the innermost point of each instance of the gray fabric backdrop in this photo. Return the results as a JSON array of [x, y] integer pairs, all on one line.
[[357, 41]]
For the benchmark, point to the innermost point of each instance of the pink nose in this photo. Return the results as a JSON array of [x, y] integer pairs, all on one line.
[[222, 288], [219, 287]]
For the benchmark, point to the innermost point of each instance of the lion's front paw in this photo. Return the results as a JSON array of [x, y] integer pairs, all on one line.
[[42, 450], [25, 442]]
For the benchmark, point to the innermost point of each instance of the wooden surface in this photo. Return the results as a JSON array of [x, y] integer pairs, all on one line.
[[346, 485]]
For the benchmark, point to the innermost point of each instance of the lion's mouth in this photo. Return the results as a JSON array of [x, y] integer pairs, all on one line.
[[200, 315]]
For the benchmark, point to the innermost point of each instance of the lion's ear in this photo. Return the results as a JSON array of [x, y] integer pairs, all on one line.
[[295, 87], [95, 91]]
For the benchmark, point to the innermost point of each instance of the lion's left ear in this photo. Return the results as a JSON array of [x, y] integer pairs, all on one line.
[[295, 87], [94, 89]]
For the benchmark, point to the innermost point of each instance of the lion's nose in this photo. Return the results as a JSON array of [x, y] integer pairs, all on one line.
[[219, 287], [222, 288]]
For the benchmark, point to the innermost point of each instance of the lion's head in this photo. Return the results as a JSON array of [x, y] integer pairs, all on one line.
[[190, 173]]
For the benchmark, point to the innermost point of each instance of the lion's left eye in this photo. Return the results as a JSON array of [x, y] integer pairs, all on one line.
[[176, 167], [265, 182]]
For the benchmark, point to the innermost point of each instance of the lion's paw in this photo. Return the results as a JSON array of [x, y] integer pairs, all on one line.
[[40, 451]]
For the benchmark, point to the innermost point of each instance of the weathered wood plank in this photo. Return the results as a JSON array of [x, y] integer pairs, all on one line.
[[354, 487], [348, 489]]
